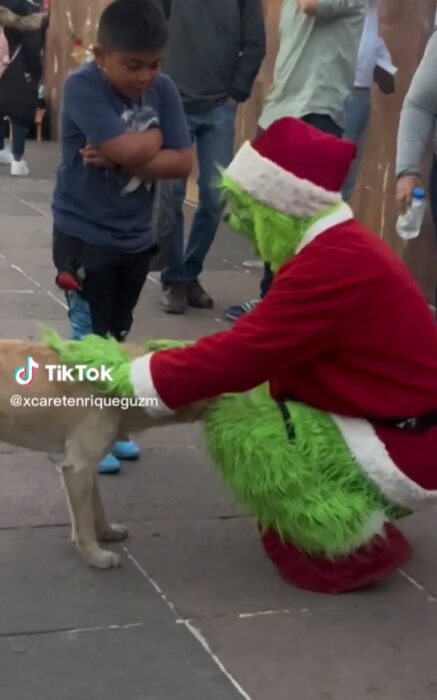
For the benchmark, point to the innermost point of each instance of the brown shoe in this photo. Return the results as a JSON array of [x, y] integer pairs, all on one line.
[[197, 297], [174, 297]]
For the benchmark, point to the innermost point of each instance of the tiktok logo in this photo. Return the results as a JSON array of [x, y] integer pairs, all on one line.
[[26, 374]]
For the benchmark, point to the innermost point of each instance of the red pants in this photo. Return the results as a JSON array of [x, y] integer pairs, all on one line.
[[382, 556]]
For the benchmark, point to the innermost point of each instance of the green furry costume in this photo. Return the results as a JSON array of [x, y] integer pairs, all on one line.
[[278, 480], [291, 467]]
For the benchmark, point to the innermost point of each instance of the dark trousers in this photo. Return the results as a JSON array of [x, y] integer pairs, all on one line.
[[326, 124], [112, 284], [433, 203], [19, 135]]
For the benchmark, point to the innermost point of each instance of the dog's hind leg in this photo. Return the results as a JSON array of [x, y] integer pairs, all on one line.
[[86, 445], [105, 531]]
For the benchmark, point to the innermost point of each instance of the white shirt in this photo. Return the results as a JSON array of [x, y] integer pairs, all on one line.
[[372, 48]]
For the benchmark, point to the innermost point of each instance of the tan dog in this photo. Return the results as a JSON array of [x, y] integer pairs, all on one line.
[[84, 433]]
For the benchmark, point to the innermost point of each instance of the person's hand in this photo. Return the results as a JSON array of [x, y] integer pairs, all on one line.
[[92, 156], [404, 188]]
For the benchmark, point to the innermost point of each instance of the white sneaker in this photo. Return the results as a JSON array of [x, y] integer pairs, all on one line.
[[19, 168], [6, 157]]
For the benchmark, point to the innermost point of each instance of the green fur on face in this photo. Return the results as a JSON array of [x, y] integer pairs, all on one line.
[[309, 490], [275, 237]]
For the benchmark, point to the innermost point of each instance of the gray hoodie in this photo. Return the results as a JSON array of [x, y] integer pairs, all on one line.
[[419, 114], [215, 50]]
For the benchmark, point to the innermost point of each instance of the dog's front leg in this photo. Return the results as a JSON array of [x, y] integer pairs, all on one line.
[[78, 483], [105, 532]]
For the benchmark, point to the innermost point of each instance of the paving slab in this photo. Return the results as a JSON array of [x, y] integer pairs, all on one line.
[[218, 568], [421, 531], [364, 653], [156, 661], [171, 483], [44, 586], [26, 329]]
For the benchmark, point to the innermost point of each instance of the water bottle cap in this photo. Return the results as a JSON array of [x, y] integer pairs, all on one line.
[[419, 193]]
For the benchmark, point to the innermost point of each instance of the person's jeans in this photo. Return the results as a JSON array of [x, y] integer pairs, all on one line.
[[324, 123], [19, 135], [214, 135], [80, 316], [357, 111]]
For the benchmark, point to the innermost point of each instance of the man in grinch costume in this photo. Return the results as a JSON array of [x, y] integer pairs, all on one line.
[[323, 419]]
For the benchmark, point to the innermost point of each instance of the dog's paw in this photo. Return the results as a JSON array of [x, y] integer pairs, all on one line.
[[101, 558], [116, 533]]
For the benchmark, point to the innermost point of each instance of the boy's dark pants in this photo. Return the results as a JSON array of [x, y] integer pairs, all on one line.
[[112, 282]]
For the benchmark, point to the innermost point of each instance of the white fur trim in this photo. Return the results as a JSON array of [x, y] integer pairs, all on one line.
[[144, 388], [374, 525], [270, 184], [339, 216], [373, 458]]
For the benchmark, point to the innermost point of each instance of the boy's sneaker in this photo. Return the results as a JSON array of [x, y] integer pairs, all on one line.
[[174, 297], [6, 157], [233, 313], [126, 449], [109, 465], [19, 168]]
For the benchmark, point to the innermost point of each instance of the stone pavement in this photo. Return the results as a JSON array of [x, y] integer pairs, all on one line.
[[196, 612]]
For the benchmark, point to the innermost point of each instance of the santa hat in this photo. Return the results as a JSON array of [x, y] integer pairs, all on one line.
[[293, 168]]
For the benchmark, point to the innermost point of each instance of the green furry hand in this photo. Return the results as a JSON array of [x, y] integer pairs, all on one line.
[[96, 352]]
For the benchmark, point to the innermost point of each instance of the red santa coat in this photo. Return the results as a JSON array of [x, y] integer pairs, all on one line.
[[344, 329]]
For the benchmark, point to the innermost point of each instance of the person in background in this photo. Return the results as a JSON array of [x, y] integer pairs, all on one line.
[[418, 122], [358, 105], [214, 53], [312, 77], [19, 87]]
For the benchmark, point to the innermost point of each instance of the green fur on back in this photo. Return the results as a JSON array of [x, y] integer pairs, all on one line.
[[310, 490]]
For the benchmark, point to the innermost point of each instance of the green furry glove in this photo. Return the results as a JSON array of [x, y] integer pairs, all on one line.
[[96, 352]]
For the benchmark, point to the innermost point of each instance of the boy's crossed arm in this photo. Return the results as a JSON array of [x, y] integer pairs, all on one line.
[[141, 155]]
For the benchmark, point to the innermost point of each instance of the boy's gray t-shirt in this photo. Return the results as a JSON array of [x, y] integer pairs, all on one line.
[[108, 207]]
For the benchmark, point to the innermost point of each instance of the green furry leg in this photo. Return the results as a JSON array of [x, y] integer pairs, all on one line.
[[309, 490]]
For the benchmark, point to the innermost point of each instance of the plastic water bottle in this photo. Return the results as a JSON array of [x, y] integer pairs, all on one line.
[[409, 224]]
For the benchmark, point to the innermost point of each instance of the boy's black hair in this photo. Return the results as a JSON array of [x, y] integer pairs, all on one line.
[[133, 26]]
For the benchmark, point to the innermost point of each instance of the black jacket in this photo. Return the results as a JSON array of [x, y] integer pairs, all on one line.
[[215, 50]]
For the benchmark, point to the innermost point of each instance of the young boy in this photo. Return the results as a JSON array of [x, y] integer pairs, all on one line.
[[123, 127]]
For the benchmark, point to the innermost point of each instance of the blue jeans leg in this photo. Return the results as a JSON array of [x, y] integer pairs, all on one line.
[[214, 135], [357, 111], [79, 315], [215, 148], [174, 267]]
